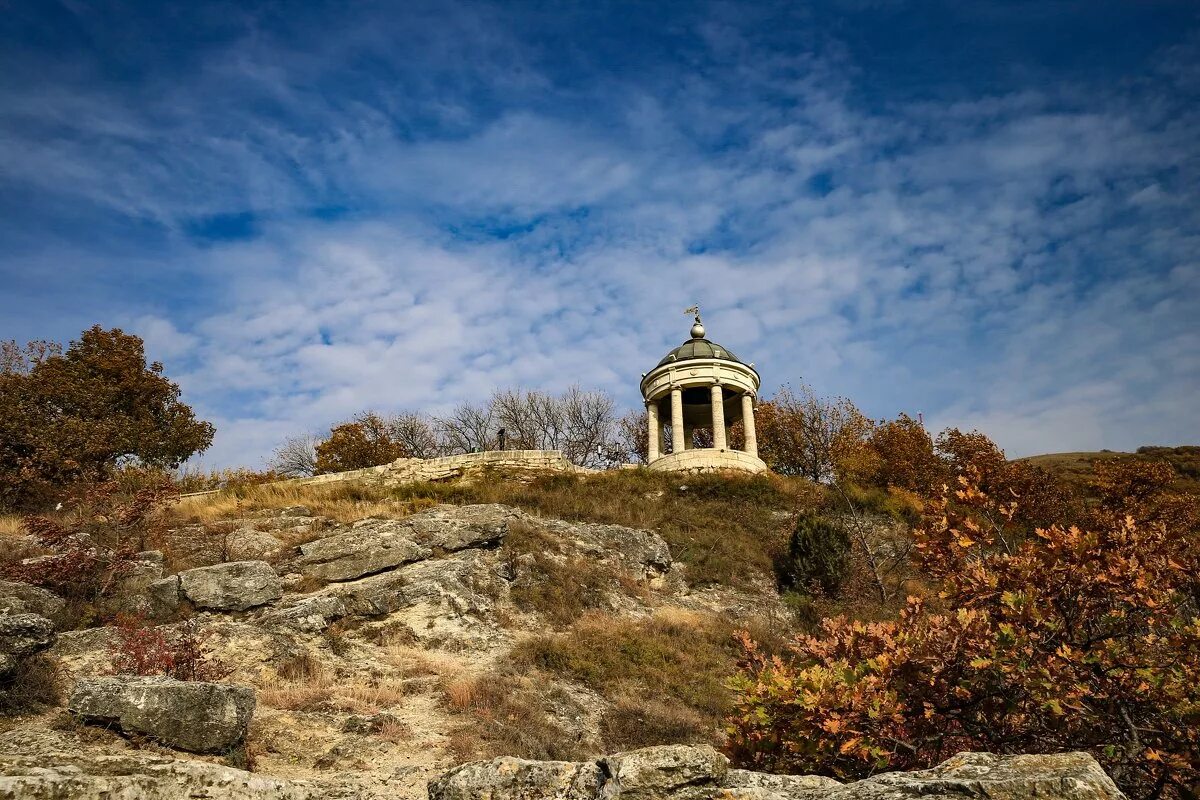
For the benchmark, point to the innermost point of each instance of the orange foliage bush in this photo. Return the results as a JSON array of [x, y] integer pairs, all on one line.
[[1072, 638]]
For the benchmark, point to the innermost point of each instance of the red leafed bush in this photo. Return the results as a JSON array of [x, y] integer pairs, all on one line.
[[90, 545], [182, 654], [1073, 638]]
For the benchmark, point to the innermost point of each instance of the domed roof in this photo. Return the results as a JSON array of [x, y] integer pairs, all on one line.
[[698, 348]]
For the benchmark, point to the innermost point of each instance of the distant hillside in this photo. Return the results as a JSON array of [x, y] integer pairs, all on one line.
[[1076, 468]]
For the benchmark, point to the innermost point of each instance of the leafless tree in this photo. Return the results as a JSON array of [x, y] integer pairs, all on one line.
[[296, 457], [417, 433], [467, 429], [591, 427], [635, 441]]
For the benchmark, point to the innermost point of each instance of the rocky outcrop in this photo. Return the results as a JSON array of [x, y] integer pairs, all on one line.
[[1063, 776], [22, 636], [197, 716], [680, 772], [667, 771], [519, 779], [22, 598], [371, 546], [45, 765], [251, 543], [234, 586]]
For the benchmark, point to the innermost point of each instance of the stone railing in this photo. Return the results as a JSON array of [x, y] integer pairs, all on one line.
[[420, 470]]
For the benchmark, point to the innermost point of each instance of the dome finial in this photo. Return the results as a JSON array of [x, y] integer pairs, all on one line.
[[698, 326]]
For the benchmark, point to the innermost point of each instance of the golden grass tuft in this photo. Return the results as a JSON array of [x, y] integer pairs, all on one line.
[[11, 525]]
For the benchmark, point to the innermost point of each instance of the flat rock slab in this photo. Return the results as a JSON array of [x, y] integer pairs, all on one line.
[[45, 765], [197, 716], [682, 772], [518, 779], [371, 546], [234, 586]]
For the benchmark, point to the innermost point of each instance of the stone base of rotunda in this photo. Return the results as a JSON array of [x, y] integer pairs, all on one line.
[[708, 460]]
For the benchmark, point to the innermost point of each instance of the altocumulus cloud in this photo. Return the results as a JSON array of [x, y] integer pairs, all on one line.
[[312, 215]]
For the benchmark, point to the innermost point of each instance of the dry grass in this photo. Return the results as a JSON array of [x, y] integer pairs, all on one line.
[[297, 696], [680, 659], [341, 502], [305, 685], [11, 525], [507, 715], [559, 586]]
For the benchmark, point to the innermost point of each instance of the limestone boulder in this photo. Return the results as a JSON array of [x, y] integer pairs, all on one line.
[[46, 765], [642, 553], [519, 779], [197, 716], [667, 771], [163, 597], [24, 598], [1062, 776], [22, 636], [250, 543], [306, 614], [786, 785], [371, 546], [234, 586], [367, 547], [451, 528]]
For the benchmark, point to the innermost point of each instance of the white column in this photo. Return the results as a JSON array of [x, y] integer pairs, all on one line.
[[654, 432], [748, 424], [676, 419], [718, 417]]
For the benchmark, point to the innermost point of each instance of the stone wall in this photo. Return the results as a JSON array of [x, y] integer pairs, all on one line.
[[705, 459], [419, 470]]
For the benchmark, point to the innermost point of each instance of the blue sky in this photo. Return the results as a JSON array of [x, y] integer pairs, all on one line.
[[988, 212]]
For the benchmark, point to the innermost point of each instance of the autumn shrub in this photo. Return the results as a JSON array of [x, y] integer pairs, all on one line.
[[76, 414], [90, 545], [1068, 639], [815, 563], [182, 653]]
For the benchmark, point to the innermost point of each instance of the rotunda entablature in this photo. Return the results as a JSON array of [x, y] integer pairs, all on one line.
[[699, 372]]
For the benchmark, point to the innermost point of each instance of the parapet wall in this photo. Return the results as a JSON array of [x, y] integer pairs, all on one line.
[[420, 470]]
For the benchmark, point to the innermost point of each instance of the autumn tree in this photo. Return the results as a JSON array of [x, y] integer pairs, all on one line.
[[1072, 638], [805, 435], [904, 457], [75, 414], [365, 441]]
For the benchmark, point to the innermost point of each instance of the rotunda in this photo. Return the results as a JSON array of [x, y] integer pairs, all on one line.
[[701, 384]]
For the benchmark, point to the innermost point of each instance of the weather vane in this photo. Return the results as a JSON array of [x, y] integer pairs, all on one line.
[[693, 310]]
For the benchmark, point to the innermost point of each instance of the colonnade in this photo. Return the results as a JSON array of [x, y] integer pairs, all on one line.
[[681, 433]]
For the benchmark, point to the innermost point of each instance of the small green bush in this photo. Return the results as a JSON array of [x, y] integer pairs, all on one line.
[[816, 559]]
